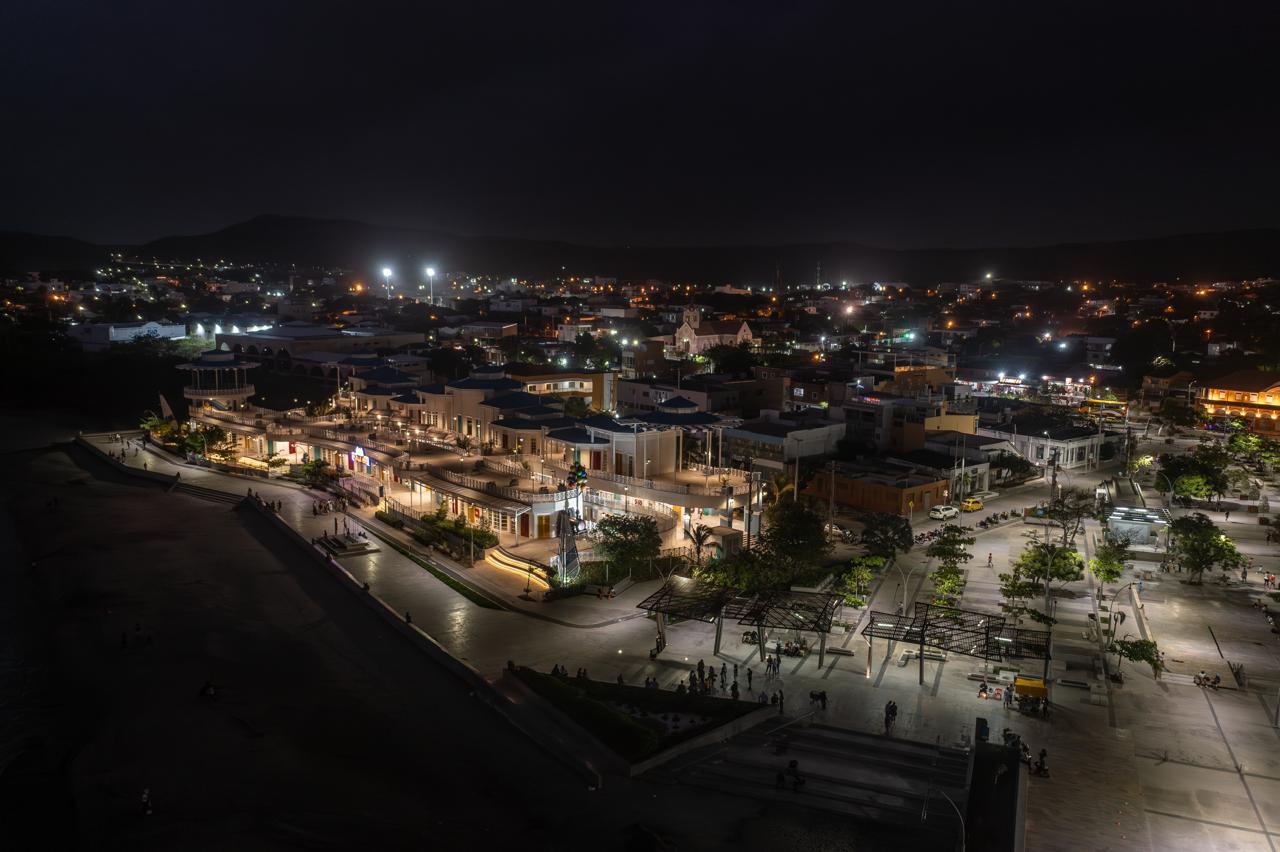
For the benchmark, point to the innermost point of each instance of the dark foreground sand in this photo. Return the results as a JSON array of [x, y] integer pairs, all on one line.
[[330, 732]]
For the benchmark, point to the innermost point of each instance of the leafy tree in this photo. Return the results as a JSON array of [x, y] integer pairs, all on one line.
[[731, 359], [316, 469], [1012, 466], [1244, 445], [577, 406], [628, 542], [855, 582], [1198, 544], [751, 571], [1176, 413], [1016, 590], [1139, 651], [1046, 563], [596, 351], [950, 548], [1069, 510], [1192, 485], [520, 349], [212, 442], [886, 535], [1108, 560], [160, 429], [701, 535], [794, 536]]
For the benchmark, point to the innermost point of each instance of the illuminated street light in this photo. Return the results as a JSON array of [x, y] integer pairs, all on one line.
[[386, 278], [431, 278]]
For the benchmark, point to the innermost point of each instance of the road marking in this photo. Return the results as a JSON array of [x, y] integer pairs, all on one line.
[[1267, 834], [1240, 771]]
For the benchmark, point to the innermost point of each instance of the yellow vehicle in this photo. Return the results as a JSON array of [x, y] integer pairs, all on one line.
[[970, 504]]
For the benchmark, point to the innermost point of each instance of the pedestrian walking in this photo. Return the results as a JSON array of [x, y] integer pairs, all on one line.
[[724, 671], [1226, 516], [749, 673], [782, 702], [733, 690], [735, 671], [990, 561]]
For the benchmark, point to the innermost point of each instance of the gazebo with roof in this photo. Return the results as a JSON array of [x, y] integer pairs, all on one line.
[[782, 609], [219, 377]]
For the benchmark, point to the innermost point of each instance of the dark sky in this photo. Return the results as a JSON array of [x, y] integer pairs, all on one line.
[[896, 124]]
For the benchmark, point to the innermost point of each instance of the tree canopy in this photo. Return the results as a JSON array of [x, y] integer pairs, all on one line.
[[731, 359], [794, 535], [886, 535], [1199, 546], [1108, 560], [628, 542]]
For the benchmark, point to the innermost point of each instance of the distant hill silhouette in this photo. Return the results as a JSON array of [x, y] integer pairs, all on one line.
[[359, 245]]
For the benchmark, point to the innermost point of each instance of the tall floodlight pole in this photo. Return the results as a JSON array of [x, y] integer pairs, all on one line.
[[386, 280], [431, 279]]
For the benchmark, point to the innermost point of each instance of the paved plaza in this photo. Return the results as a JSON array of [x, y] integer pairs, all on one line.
[[1162, 765]]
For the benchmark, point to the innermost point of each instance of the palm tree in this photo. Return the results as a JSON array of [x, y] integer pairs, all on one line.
[[701, 535], [780, 484]]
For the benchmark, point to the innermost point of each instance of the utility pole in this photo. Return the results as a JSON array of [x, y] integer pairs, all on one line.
[[831, 498]]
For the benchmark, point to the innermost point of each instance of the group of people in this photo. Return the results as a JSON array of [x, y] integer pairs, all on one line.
[[1014, 741], [324, 507], [273, 505], [1203, 679], [1268, 580]]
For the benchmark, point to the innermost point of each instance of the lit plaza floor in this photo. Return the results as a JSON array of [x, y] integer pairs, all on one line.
[[1111, 787]]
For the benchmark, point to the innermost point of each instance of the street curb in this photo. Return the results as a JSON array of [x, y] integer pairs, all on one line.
[[452, 572]]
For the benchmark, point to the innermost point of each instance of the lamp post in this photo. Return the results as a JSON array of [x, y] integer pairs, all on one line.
[[431, 278], [386, 280], [924, 811]]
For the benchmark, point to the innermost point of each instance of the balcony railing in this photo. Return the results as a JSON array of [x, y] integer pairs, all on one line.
[[665, 485], [484, 486], [191, 392], [354, 439], [666, 520]]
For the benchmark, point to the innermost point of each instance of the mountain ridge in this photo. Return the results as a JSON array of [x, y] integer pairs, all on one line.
[[275, 238]]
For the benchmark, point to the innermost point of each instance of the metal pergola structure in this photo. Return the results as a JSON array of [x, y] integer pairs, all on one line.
[[975, 634], [683, 597]]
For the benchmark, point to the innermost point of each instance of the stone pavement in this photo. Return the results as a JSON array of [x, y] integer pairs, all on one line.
[[1110, 788]]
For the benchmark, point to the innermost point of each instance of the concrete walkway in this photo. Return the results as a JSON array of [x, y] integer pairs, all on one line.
[[1111, 786]]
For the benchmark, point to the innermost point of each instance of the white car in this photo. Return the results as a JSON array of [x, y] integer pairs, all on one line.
[[944, 513]]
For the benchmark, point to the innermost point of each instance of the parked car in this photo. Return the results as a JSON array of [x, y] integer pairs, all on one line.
[[943, 513], [971, 504]]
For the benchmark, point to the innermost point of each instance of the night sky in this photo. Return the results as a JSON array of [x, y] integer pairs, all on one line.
[[895, 124]]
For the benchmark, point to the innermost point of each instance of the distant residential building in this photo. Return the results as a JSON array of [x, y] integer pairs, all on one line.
[[1157, 386], [885, 421], [487, 330], [690, 340], [96, 336], [778, 439], [707, 392], [1252, 395], [1072, 446], [284, 341], [644, 358], [895, 492]]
